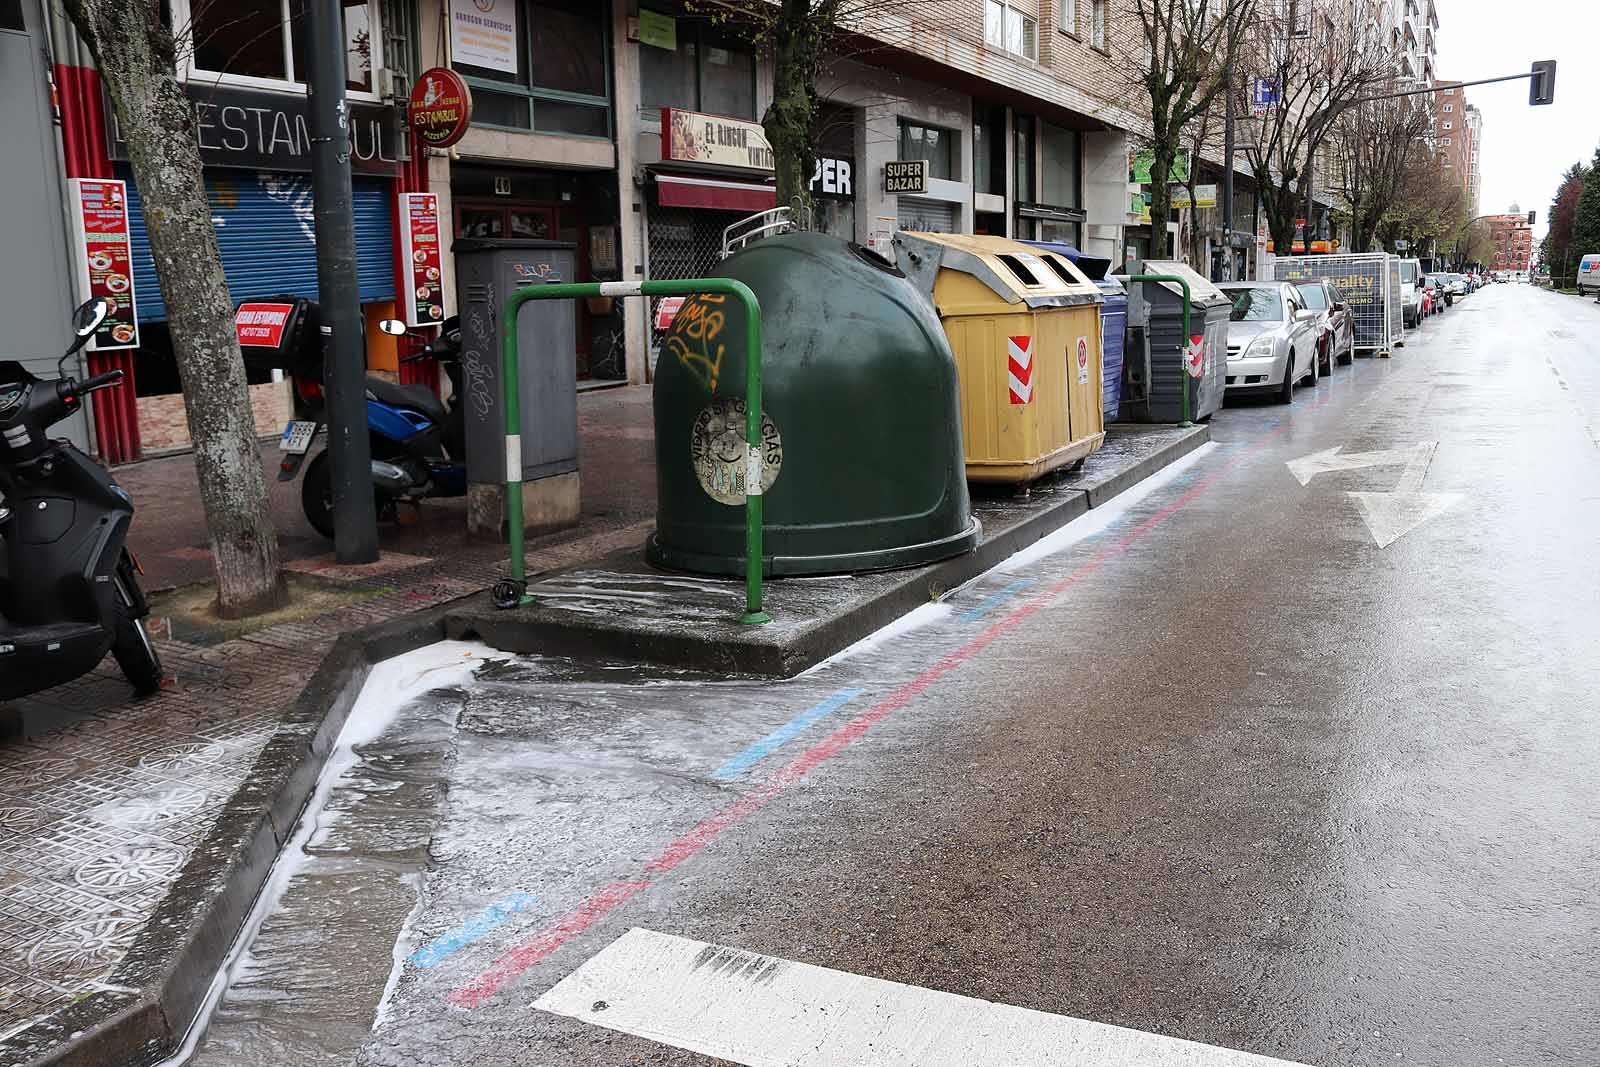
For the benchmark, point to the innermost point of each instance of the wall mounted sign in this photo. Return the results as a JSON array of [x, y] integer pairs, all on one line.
[[658, 30], [834, 178], [440, 108], [1139, 171], [419, 244], [906, 176], [261, 325], [483, 33], [690, 137], [102, 253], [256, 129]]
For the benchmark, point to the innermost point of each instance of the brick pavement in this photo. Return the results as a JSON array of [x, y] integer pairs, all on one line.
[[103, 799]]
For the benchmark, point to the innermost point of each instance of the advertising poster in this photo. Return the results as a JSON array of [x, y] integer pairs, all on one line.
[[483, 33], [261, 325], [419, 225], [103, 257]]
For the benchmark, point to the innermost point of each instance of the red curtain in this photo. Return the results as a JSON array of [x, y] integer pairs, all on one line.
[[83, 137]]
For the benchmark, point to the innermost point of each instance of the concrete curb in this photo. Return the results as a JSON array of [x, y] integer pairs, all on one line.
[[768, 652], [151, 1008], [148, 1014]]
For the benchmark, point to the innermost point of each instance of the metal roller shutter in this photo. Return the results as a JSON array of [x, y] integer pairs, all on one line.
[[922, 215], [267, 238]]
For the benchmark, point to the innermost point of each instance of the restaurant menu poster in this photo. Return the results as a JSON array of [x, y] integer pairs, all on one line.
[[103, 257], [419, 225]]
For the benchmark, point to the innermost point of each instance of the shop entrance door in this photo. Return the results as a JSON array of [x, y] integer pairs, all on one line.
[[544, 222]]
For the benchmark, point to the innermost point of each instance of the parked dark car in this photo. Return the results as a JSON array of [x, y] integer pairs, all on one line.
[[1337, 341]]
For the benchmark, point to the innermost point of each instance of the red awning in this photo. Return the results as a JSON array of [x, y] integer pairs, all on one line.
[[677, 190]]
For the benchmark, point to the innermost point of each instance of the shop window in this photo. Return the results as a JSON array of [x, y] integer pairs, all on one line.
[[266, 41], [933, 143], [561, 82], [989, 151], [1060, 174], [703, 73], [1027, 159]]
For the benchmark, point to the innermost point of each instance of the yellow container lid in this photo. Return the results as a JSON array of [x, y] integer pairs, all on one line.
[[1015, 272]]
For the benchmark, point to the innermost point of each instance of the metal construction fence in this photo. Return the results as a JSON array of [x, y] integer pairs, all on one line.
[[1369, 283]]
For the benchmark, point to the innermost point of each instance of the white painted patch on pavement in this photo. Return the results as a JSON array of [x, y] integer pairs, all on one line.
[[1391, 515], [767, 1012]]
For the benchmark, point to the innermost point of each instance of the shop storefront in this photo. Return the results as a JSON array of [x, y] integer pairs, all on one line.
[[256, 149]]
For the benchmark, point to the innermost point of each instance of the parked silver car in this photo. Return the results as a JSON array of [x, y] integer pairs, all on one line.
[[1272, 339]]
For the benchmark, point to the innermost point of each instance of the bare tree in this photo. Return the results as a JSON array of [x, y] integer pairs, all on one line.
[[801, 37], [1319, 56], [1179, 54], [1373, 143], [136, 54]]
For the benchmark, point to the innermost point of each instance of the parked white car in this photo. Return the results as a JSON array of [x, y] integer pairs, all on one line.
[[1411, 291], [1272, 339]]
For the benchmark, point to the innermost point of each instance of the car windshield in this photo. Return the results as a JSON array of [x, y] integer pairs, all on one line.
[[1256, 305], [1316, 296]]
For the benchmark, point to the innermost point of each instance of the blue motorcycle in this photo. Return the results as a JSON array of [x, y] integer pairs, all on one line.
[[418, 441]]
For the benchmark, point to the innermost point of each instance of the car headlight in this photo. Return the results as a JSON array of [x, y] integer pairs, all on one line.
[[1261, 346]]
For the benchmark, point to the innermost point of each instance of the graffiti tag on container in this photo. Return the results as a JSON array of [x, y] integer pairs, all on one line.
[[693, 341], [717, 450]]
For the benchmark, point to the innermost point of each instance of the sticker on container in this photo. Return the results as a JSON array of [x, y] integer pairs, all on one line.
[[1194, 357], [723, 462], [1083, 361], [1019, 368]]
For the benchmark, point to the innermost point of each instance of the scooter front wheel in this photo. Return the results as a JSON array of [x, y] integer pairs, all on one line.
[[131, 646]]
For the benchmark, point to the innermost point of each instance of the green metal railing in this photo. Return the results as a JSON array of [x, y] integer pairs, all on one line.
[[753, 613], [1183, 379]]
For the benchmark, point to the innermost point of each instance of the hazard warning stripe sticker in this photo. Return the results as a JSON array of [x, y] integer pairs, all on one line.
[[1019, 368]]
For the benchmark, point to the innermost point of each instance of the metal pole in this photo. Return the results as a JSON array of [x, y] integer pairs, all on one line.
[[1227, 181], [754, 456], [355, 521], [1183, 378]]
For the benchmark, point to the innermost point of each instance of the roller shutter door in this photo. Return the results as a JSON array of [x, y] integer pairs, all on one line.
[[266, 234], [922, 215]]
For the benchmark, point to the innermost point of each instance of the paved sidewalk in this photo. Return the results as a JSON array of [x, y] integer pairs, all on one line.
[[105, 800]]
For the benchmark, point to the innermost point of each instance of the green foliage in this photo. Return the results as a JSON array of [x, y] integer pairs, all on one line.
[[1586, 217]]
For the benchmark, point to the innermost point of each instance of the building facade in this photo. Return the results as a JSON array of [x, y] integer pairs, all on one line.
[[1452, 136], [629, 129], [1475, 160], [1512, 235]]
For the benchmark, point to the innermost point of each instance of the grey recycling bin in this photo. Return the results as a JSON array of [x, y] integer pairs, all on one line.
[[486, 271], [1153, 356]]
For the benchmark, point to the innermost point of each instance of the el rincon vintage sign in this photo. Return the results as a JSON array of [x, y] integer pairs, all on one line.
[[690, 137]]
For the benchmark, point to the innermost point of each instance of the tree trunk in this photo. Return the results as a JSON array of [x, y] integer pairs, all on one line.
[[789, 121], [135, 54], [1163, 151]]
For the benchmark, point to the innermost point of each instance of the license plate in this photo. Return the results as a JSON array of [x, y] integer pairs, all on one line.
[[296, 439]]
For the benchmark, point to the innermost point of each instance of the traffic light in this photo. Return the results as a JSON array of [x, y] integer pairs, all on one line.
[[1542, 88], [1531, 216]]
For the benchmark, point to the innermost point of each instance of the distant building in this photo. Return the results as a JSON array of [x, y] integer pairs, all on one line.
[[1452, 134], [1474, 165], [1513, 240]]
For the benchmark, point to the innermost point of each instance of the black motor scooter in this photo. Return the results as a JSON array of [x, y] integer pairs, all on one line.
[[68, 586]]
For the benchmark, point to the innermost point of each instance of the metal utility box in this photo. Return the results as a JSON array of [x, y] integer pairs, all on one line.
[[861, 460], [486, 271], [1369, 282], [1155, 372], [1113, 321], [1024, 325]]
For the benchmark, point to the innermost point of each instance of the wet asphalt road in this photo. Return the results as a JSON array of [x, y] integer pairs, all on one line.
[[1220, 768]]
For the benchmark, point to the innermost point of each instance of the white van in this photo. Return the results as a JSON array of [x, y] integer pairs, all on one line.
[[1411, 291], [1589, 274]]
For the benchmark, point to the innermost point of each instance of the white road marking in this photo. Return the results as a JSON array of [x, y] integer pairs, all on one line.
[[1389, 516], [767, 1012]]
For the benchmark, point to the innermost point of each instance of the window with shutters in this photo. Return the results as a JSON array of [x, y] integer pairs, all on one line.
[[1012, 26]]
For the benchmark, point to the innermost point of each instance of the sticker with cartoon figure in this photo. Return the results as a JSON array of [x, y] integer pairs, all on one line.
[[718, 450]]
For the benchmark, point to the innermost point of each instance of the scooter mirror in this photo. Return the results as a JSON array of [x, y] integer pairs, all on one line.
[[393, 327], [90, 314]]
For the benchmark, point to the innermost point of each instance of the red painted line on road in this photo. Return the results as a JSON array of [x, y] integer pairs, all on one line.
[[520, 957]]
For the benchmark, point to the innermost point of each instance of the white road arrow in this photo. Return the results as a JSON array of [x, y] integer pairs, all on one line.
[[1389, 516]]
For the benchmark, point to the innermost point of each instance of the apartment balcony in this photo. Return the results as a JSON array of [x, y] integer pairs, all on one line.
[[1433, 15]]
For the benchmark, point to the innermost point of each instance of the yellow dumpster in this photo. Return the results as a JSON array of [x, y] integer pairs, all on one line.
[[1024, 325]]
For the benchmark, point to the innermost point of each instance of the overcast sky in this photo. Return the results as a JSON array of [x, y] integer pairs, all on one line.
[[1526, 149]]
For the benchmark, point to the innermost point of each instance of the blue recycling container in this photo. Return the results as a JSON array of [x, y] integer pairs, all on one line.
[[1113, 320]]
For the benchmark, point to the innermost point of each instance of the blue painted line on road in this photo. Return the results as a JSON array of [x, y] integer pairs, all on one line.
[[989, 603], [496, 914], [763, 748]]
